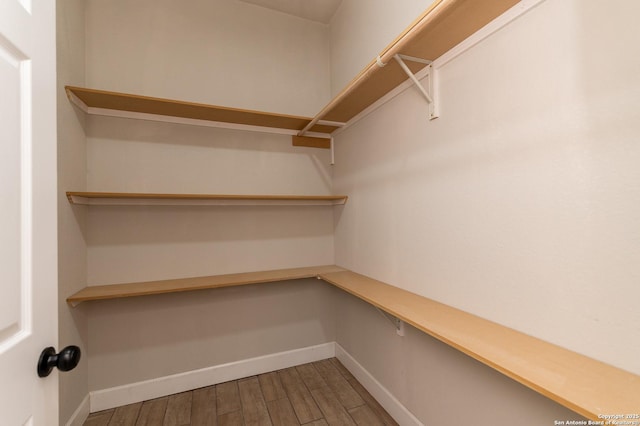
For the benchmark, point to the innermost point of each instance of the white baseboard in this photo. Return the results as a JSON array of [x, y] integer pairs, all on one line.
[[149, 389], [80, 415], [394, 407]]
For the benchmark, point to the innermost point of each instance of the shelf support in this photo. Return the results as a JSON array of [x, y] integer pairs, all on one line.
[[429, 92], [397, 322], [333, 153]]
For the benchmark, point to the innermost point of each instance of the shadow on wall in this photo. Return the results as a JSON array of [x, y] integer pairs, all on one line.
[[131, 225], [145, 243], [519, 204], [437, 383], [166, 157], [148, 337]]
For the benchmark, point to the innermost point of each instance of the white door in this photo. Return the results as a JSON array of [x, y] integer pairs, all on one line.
[[28, 212]]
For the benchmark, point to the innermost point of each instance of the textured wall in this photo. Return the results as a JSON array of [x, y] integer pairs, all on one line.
[[521, 203], [437, 383], [145, 243], [149, 337], [220, 52], [72, 175], [361, 29]]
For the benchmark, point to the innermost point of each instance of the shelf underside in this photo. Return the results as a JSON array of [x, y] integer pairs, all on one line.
[[584, 385], [121, 198], [439, 29], [102, 102]]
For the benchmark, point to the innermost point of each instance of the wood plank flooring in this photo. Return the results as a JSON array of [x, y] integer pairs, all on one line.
[[321, 393]]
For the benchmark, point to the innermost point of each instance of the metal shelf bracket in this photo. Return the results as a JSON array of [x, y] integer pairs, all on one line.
[[429, 92], [397, 322]]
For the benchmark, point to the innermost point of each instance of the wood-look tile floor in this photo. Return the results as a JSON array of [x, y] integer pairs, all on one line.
[[317, 394]]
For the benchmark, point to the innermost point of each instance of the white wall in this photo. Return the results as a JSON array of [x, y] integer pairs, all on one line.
[[361, 29], [72, 256], [437, 383], [220, 52], [521, 203], [148, 337], [146, 243]]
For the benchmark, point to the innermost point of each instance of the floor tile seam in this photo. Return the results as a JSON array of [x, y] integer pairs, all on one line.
[[214, 401], [334, 386], [231, 411], [308, 390], [242, 403], [336, 398], [312, 364], [164, 414], [262, 389], [269, 411]]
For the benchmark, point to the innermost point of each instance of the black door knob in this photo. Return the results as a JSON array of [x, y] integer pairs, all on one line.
[[66, 360]]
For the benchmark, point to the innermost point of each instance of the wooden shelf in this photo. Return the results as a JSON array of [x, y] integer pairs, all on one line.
[[582, 384], [102, 102], [121, 198], [445, 24], [117, 291]]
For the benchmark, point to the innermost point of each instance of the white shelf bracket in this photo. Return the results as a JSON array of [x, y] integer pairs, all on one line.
[[333, 153], [430, 92], [397, 322]]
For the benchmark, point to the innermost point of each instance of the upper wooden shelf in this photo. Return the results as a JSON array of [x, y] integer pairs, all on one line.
[[445, 24], [102, 102], [582, 384], [126, 198]]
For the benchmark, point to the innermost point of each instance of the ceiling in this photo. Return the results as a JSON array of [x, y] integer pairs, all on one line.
[[315, 10]]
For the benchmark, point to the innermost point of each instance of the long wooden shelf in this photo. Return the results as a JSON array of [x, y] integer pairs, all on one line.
[[584, 385], [127, 198], [117, 291]]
